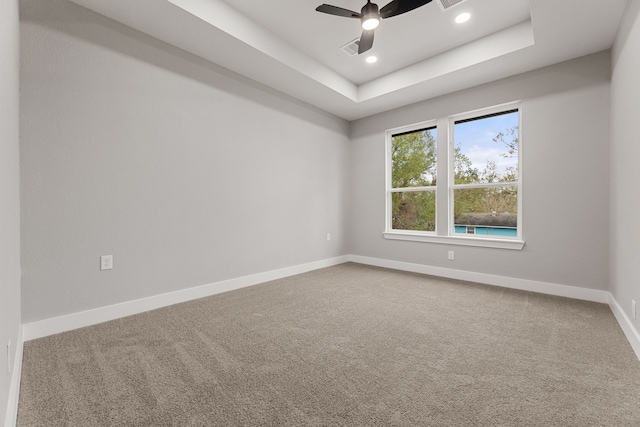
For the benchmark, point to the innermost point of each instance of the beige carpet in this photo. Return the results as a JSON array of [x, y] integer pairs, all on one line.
[[349, 345]]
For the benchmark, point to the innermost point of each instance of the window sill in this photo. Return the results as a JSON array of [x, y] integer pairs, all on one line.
[[455, 240]]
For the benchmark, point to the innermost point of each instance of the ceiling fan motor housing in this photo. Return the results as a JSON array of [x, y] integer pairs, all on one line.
[[369, 9]]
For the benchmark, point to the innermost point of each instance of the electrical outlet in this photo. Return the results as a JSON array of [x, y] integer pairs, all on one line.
[[452, 255], [328, 236], [106, 262], [633, 309]]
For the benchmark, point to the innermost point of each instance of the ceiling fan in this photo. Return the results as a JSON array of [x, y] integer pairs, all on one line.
[[370, 16]]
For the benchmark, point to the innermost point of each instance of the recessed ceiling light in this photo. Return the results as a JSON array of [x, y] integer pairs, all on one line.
[[371, 59], [463, 17]]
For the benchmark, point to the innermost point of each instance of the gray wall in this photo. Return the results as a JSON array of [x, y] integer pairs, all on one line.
[[625, 152], [565, 169], [186, 173], [9, 193]]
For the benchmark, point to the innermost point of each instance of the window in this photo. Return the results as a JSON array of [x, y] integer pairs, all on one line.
[[486, 169], [477, 199], [413, 180]]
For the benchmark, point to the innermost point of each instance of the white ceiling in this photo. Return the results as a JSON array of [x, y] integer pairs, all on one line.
[[287, 45], [399, 41]]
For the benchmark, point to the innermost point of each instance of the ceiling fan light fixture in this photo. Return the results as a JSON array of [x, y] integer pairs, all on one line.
[[370, 23], [370, 16]]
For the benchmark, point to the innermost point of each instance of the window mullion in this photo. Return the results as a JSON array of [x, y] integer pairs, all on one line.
[[442, 194]]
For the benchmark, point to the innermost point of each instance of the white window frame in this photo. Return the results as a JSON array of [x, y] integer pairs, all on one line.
[[445, 149]]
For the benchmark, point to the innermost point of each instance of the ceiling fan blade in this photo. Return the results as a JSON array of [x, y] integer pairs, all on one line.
[[337, 11], [398, 7], [366, 41]]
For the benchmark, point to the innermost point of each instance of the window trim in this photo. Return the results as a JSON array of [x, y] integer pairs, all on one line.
[[445, 147]]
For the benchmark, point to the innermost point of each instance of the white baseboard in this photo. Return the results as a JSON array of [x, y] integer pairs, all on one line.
[[632, 334], [46, 327], [14, 388], [490, 279]]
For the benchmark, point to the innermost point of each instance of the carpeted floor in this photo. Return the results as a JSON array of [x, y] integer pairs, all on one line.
[[349, 345]]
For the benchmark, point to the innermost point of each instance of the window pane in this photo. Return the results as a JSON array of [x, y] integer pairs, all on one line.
[[486, 211], [414, 210], [413, 156], [486, 149]]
